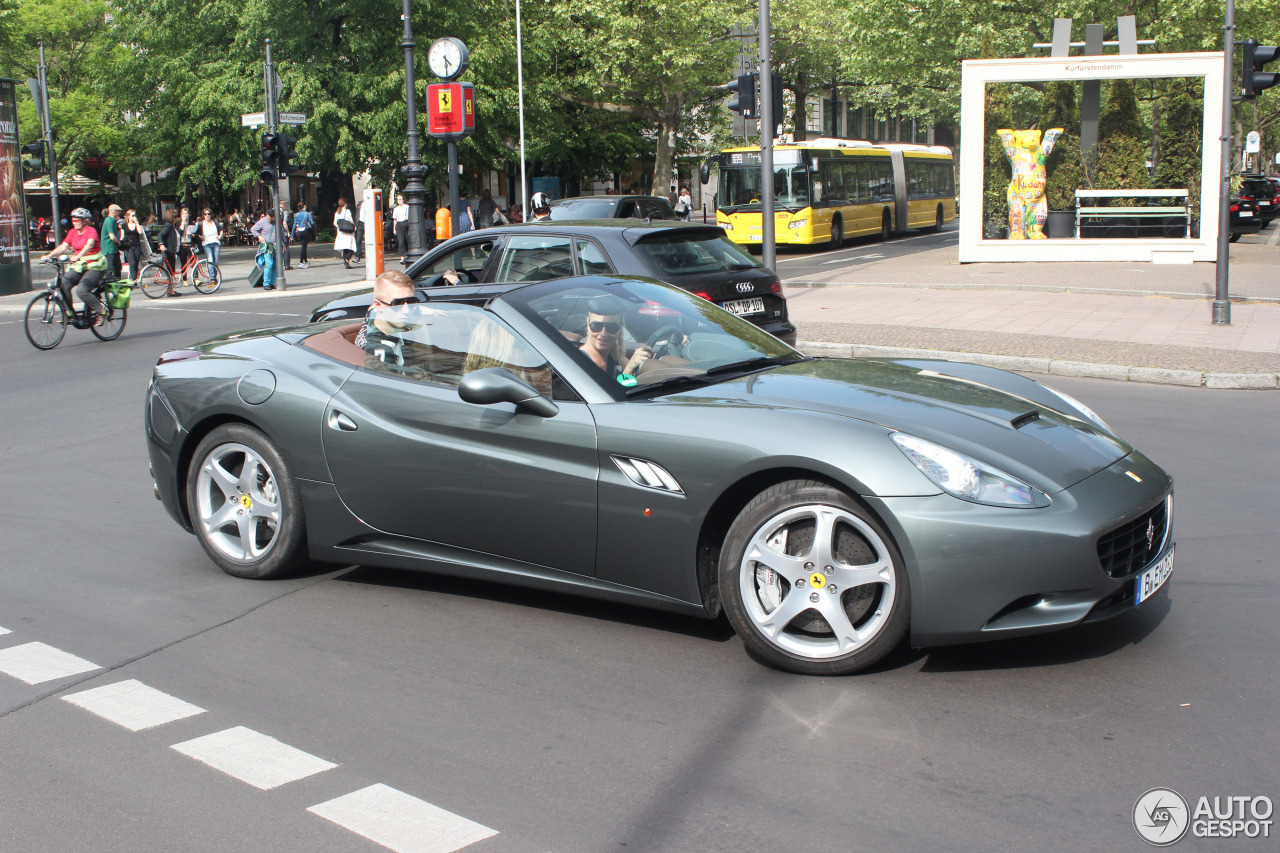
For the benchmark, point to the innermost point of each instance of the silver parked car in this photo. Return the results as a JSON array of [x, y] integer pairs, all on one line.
[[621, 438]]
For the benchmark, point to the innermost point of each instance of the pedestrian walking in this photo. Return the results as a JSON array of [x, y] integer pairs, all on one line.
[[400, 222], [210, 237], [344, 226], [265, 230], [466, 218], [304, 231], [170, 239], [485, 210], [684, 204], [133, 243], [360, 210], [111, 239], [285, 220]]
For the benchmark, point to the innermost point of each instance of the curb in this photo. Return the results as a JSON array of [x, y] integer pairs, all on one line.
[[1038, 288], [197, 299], [1120, 372]]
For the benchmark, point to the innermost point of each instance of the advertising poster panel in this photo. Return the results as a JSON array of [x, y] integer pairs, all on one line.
[[15, 272]]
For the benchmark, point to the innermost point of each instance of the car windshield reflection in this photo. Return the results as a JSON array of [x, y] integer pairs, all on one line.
[[635, 336]]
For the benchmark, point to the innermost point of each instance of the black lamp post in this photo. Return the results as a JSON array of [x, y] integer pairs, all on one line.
[[413, 170]]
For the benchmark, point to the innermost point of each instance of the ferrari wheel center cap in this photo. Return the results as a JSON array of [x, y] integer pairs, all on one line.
[[817, 580], [246, 501]]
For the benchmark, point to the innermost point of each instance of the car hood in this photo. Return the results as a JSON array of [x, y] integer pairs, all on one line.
[[991, 419]]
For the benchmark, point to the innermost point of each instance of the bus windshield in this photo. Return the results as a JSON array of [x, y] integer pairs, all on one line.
[[740, 188]]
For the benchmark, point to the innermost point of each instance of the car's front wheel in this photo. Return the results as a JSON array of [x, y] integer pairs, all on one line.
[[812, 582], [245, 505]]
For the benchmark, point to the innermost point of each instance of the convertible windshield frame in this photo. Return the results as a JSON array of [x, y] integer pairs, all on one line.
[[711, 336]]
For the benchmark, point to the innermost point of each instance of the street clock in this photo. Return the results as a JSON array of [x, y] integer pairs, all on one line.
[[448, 58]]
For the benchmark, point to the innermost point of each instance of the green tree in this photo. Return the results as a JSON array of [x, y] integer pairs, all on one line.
[[1122, 141]]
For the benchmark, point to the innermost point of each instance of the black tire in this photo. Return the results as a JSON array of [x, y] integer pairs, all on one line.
[[46, 322], [872, 611], [206, 277], [237, 470], [1235, 235], [155, 281], [886, 227], [112, 324], [837, 232]]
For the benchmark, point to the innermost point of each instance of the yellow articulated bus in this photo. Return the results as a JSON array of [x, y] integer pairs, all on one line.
[[828, 189]]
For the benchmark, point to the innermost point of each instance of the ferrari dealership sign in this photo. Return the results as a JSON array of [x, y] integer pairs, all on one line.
[[451, 110]]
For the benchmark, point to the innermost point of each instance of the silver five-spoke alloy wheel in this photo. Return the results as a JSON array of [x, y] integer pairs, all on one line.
[[817, 581], [238, 503]]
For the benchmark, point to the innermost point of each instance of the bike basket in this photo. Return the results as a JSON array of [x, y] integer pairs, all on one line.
[[155, 258], [118, 294]]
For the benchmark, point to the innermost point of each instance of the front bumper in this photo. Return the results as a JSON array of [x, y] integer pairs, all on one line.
[[983, 573]]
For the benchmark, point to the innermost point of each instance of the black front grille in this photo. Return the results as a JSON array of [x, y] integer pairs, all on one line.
[[1131, 546]]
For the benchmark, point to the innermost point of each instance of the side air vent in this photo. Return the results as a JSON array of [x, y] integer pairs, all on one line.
[[647, 475]]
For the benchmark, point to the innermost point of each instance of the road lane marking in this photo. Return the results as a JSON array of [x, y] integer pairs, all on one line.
[[133, 705], [854, 258], [401, 822], [4, 631], [253, 757], [36, 663]]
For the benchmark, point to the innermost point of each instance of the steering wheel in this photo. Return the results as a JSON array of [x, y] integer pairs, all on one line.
[[665, 335]]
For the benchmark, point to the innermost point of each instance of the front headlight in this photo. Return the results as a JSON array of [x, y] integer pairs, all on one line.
[[963, 477], [797, 223], [1081, 408]]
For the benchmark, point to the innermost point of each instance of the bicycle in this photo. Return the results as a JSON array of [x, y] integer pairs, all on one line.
[[49, 312], [158, 278]]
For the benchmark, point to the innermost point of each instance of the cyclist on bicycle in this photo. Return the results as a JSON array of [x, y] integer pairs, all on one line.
[[84, 273]]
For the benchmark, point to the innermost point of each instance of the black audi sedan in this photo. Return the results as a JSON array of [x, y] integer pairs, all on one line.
[[612, 207], [698, 258]]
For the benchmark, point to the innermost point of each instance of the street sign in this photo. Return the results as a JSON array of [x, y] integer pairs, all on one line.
[[1253, 142], [253, 119], [451, 112], [293, 118]]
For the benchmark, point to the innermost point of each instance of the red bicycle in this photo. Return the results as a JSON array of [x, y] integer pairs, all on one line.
[[158, 278]]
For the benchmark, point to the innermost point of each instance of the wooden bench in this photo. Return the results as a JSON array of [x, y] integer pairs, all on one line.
[[1159, 214]]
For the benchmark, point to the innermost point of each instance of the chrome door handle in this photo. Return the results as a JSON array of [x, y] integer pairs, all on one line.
[[341, 422]]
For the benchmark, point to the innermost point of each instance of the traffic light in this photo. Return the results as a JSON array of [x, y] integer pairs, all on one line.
[[1253, 78], [285, 155], [745, 89], [270, 157], [33, 156]]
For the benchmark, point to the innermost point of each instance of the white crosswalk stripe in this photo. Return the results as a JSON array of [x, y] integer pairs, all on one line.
[[253, 757], [401, 822], [36, 663], [133, 705], [4, 631]]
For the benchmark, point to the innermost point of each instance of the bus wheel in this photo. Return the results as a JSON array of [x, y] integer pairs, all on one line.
[[937, 224], [837, 233], [885, 227]]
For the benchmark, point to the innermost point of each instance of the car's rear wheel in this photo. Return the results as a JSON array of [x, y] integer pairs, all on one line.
[[812, 582], [1235, 235], [244, 504]]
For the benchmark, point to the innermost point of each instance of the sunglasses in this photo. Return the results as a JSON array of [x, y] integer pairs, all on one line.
[[601, 326], [396, 303]]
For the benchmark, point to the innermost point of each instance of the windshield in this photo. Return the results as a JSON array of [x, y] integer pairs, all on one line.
[[690, 342], [583, 209], [740, 187], [683, 253]]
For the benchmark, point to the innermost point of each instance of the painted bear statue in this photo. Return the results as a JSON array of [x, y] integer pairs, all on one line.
[[1028, 208]]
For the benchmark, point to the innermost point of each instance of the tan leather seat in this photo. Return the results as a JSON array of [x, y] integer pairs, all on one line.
[[338, 342]]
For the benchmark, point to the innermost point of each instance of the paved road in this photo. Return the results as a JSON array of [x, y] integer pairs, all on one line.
[[568, 725]]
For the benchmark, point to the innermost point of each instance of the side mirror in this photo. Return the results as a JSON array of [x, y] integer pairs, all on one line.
[[705, 172], [491, 385]]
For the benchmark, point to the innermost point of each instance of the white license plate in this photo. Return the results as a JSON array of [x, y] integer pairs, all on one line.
[[1264, 204], [1153, 578], [1245, 214], [743, 307]]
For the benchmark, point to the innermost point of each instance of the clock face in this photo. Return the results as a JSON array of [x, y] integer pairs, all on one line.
[[447, 58]]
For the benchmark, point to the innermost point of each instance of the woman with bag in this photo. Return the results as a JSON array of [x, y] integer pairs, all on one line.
[[344, 225], [264, 272], [304, 231]]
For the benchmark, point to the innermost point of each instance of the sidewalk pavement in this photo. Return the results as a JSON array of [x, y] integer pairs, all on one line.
[[1130, 322], [1134, 322]]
